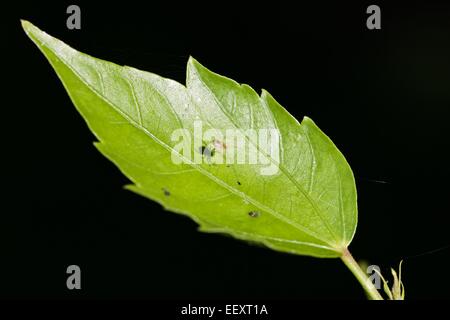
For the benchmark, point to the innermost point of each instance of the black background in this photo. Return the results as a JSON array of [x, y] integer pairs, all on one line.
[[383, 96]]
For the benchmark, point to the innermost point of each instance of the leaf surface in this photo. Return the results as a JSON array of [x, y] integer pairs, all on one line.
[[306, 204]]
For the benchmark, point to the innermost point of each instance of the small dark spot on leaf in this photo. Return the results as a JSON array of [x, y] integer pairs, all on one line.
[[253, 214], [207, 152], [238, 182], [166, 192]]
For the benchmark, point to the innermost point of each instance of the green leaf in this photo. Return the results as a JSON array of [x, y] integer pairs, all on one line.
[[300, 195]]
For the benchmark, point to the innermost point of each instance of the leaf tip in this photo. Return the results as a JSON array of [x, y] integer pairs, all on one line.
[[264, 93], [266, 96], [307, 119], [26, 25], [24, 22], [192, 62], [129, 187], [194, 65], [30, 29], [192, 59]]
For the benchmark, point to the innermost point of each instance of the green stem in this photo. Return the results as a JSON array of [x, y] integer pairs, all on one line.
[[354, 267]]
